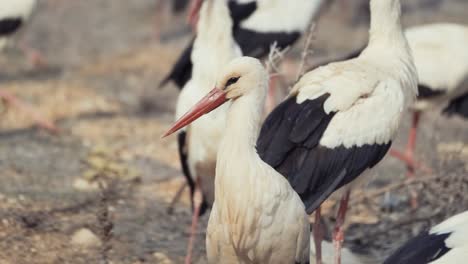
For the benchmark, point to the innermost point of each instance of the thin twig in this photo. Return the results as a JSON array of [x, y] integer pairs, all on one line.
[[274, 58], [306, 51], [383, 190]]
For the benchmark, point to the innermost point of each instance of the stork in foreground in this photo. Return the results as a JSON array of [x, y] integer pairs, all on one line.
[[13, 15], [198, 144], [340, 119], [445, 243], [256, 217], [257, 24]]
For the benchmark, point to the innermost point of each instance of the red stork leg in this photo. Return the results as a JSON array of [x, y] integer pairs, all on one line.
[[318, 236], [271, 95], [197, 202], [338, 232], [408, 156], [193, 16], [41, 122], [176, 198], [35, 57]]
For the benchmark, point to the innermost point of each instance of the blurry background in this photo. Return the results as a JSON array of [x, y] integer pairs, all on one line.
[[104, 60]]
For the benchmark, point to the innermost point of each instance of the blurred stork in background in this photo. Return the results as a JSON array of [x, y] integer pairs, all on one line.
[[441, 59], [256, 26], [13, 15], [213, 48]]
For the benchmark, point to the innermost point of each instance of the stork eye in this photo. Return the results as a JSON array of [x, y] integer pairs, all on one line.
[[232, 80]]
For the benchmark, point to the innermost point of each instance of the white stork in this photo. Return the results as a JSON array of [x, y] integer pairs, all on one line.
[[13, 15], [445, 243], [198, 145], [256, 217], [441, 59], [257, 24]]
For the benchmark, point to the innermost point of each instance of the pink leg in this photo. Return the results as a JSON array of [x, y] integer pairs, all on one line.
[[408, 156], [176, 198], [271, 98], [318, 236], [34, 56], [197, 202], [41, 122], [338, 233]]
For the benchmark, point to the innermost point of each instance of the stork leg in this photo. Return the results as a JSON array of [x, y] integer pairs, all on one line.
[[177, 197], [318, 236], [338, 232], [408, 156], [271, 96], [197, 202], [38, 119], [35, 57]]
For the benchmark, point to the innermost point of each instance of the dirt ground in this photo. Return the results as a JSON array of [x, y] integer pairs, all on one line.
[[104, 58]]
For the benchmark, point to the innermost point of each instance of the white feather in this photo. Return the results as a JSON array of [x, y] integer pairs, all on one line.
[[282, 15], [213, 48], [370, 93], [457, 226], [441, 58]]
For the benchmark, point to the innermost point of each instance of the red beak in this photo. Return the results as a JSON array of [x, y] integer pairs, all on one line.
[[211, 101], [194, 11]]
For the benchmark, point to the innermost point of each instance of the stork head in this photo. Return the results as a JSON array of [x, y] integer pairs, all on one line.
[[240, 77]]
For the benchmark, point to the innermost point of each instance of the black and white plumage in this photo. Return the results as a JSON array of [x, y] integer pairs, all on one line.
[[441, 60], [257, 24], [446, 243], [340, 119], [13, 14]]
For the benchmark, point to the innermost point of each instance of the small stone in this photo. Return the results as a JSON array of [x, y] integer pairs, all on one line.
[[90, 175], [161, 258], [85, 238], [84, 185], [97, 162]]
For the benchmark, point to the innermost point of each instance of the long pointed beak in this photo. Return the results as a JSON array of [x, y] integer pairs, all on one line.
[[194, 12], [211, 101]]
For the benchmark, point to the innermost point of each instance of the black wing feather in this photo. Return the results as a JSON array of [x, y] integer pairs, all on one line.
[[183, 155], [9, 26], [425, 92], [423, 249], [181, 72], [179, 5], [241, 11], [458, 106], [289, 142], [257, 44]]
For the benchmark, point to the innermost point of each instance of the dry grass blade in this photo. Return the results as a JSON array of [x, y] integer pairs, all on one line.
[[274, 58], [306, 51]]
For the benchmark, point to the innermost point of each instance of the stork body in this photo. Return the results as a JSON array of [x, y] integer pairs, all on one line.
[[255, 206], [13, 14], [198, 145], [340, 119], [446, 243], [441, 60], [256, 26]]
